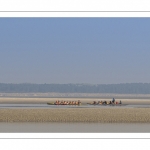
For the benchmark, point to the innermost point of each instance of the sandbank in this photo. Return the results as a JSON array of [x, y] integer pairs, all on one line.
[[101, 115]]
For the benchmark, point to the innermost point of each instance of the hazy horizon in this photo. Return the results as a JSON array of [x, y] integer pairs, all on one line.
[[76, 83], [75, 50]]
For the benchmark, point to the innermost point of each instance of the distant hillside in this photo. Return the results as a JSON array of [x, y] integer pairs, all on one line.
[[127, 88]]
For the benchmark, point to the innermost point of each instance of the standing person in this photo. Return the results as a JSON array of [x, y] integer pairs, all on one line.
[[113, 100]]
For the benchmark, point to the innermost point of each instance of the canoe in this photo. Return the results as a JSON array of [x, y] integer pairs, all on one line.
[[97, 104], [63, 104], [50, 104], [107, 104]]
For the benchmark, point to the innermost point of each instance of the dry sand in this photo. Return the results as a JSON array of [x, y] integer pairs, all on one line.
[[103, 115]]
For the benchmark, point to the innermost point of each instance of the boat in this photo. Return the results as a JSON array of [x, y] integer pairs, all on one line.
[[107, 104], [64, 104], [50, 104], [111, 103]]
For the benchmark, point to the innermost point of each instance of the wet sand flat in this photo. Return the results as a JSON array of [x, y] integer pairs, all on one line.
[[57, 127], [101, 115]]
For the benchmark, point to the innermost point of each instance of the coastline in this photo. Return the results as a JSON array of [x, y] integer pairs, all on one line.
[[79, 114]]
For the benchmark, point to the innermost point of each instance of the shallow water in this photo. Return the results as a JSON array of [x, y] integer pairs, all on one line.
[[70, 106], [74, 128]]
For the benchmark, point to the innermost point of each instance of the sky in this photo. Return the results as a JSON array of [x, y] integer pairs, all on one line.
[[75, 50]]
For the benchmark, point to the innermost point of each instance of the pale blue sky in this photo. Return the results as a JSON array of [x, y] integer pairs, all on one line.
[[75, 50]]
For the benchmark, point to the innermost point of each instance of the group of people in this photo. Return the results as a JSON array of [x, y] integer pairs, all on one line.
[[105, 102], [67, 102], [79, 103]]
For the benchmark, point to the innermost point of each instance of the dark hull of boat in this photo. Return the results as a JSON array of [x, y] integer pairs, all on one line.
[[107, 104]]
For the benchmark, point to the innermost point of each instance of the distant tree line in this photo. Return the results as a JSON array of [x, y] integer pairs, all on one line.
[[126, 88]]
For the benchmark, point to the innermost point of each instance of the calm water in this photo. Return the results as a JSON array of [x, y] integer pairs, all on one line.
[[67, 106], [74, 128]]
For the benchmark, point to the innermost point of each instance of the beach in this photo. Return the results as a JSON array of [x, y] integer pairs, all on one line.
[[101, 115], [77, 114]]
